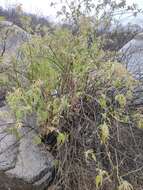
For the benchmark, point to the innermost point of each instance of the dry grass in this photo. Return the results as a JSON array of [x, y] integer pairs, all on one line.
[[121, 157]]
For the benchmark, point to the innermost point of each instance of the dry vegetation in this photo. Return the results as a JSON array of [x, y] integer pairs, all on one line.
[[82, 100]]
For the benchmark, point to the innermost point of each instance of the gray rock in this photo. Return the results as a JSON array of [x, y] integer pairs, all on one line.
[[132, 56], [2, 97], [23, 164], [11, 37], [31, 160], [8, 147], [138, 96]]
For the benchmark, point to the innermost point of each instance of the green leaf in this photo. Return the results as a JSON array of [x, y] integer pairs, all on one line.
[[64, 103], [56, 163], [125, 185], [140, 123], [138, 118], [19, 114], [100, 177], [90, 154], [61, 138], [121, 99], [104, 129], [99, 181], [37, 140], [102, 101]]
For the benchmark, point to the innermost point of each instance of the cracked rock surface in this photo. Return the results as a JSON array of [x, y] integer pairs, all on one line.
[[131, 56], [23, 164]]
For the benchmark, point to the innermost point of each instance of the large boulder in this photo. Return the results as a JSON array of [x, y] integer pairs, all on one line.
[[132, 56], [11, 37], [24, 165]]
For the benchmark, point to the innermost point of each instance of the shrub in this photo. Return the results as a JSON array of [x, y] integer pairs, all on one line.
[[75, 90]]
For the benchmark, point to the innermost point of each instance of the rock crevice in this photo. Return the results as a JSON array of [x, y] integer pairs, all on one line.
[[22, 160]]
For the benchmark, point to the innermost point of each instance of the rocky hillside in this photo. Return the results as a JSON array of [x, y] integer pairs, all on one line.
[[69, 116]]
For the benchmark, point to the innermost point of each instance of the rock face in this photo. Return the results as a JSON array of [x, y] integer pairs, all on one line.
[[23, 164], [11, 37], [132, 56], [138, 96]]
